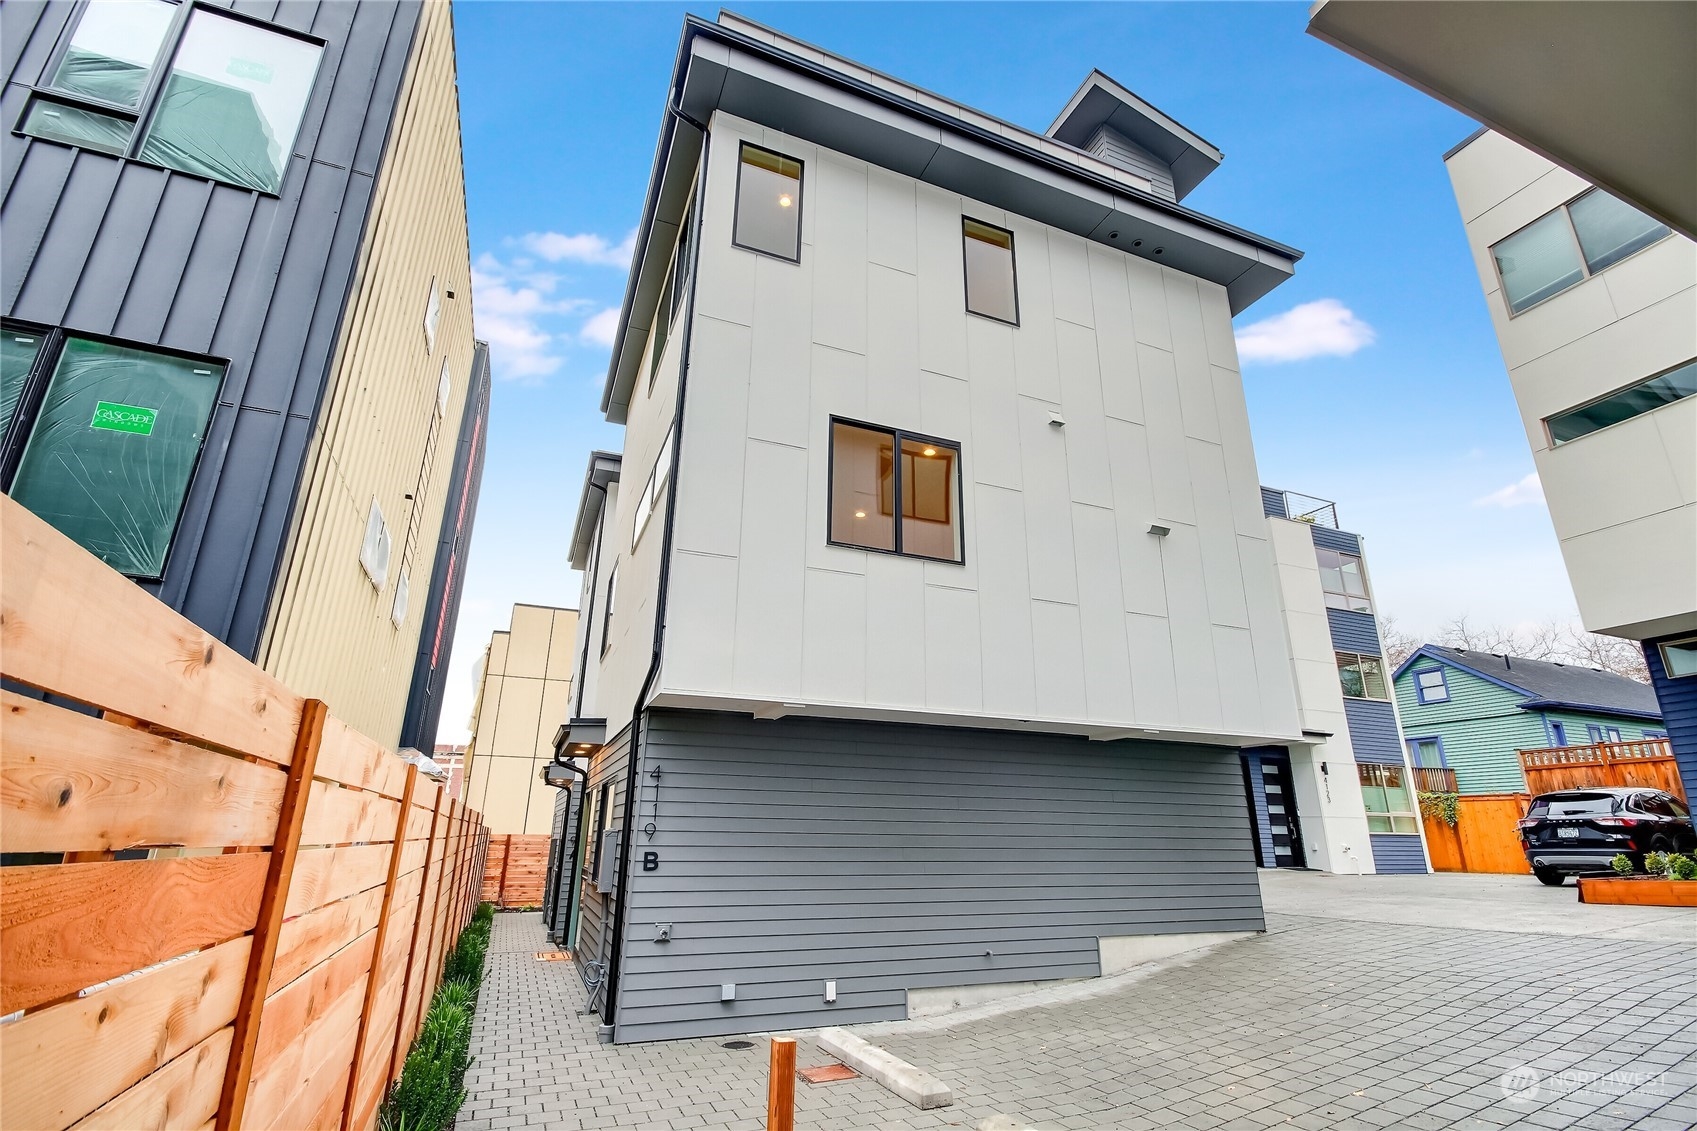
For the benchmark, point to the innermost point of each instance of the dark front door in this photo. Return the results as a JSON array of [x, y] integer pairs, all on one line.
[[1272, 805]]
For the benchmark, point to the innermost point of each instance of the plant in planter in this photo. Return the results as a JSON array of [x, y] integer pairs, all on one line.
[[1622, 864], [1656, 863], [1682, 867]]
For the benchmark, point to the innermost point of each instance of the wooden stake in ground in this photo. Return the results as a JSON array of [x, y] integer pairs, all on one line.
[[780, 1089]]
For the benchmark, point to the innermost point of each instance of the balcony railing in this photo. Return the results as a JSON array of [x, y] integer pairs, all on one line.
[[1648, 763], [1306, 508], [1434, 779]]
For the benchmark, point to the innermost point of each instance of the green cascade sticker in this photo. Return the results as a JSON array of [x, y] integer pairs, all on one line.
[[124, 418]]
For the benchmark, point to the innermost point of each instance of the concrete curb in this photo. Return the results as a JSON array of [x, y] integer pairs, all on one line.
[[921, 1089]]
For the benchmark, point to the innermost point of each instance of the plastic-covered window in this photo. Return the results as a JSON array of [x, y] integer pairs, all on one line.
[[233, 102], [18, 349], [113, 447]]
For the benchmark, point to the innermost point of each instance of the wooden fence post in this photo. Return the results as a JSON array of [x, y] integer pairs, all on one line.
[[780, 1086], [285, 848], [402, 1037], [374, 979]]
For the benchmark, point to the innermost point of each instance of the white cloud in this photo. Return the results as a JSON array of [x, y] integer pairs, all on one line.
[[602, 328], [1521, 493], [1323, 328], [582, 248], [509, 315]]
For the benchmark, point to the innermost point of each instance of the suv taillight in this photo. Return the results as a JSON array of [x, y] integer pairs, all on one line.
[[1527, 822], [1621, 822]]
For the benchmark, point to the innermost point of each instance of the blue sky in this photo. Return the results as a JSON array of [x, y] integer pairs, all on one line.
[[1400, 412]]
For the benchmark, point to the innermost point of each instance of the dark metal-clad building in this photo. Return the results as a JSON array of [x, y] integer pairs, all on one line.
[[235, 284]]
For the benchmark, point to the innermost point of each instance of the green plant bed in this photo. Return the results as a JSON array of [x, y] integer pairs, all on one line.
[[432, 1085]]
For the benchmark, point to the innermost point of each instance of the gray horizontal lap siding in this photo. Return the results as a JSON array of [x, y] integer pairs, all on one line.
[[1273, 503], [891, 857], [104, 246], [1397, 854], [594, 928], [1372, 731], [1354, 632]]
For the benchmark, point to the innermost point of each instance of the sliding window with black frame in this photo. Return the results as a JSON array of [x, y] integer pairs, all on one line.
[[102, 439], [895, 492]]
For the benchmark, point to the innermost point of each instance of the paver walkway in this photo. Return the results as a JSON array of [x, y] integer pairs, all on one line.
[[1322, 1022]]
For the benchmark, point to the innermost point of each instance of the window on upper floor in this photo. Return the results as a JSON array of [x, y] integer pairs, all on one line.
[[1343, 581], [1430, 686], [768, 216], [1663, 389], [432, 315], [991, 288], [1427, 753], [189, 88], [653, 492], [1679, 657], [1598, 733], [1363, 677], [607, 611], [1386, 797], [1558, 734], [1561, 248], [376, 547], [102, 439], [871, 469]]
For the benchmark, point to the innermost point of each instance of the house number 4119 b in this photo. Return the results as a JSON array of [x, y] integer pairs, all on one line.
[[650, 861]]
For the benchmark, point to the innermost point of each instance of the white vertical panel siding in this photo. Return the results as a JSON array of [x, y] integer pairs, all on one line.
[[892, 857], [872, 325]]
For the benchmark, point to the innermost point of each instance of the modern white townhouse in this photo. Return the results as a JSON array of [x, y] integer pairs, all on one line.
[[932, 598], [1595, 308]]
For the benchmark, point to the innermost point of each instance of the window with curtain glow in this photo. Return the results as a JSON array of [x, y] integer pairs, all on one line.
[[895, 492], [768, 214]]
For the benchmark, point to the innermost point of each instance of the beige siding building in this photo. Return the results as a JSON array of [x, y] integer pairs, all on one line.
[[344, 627], [523, 697]]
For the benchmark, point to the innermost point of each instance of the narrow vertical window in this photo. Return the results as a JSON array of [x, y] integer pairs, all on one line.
[[113, 447], [374, 550], [991, 288], [18, 350], [894, 492], [768, 218], [607, 612], [432, 314]]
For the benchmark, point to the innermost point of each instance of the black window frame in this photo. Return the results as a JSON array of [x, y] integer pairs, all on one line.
[[1358, 658], [801, 201], [16, 435], [899, 435], [607, 609], [1549, 421], [147, 106], [966, 278]]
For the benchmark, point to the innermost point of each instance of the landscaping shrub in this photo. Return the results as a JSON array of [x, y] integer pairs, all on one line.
[[1622, 864], [1656, 863], [432, 1084], [1682, 867]]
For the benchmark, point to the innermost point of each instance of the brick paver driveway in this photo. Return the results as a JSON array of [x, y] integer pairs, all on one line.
[[1324, 1021]]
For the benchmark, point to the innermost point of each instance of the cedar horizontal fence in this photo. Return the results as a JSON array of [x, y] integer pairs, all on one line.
[[219, 907], [1648, 763], [1484, 838], [517, 869]]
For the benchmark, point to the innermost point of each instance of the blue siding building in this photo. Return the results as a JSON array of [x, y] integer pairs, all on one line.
[[1372, 738]]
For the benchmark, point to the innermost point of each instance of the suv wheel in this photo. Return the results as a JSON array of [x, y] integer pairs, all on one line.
[[1549, 877]]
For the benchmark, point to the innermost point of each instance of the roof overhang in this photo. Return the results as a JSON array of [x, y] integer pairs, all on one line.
[[759, 75], [1101, 101], [1589, 708], [1606, 90], [603, 469]]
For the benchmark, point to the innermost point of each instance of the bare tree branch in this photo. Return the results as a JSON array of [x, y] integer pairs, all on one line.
[[1552, 641]]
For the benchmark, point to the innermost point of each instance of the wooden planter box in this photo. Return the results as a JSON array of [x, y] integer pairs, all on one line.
[[1648, 891]]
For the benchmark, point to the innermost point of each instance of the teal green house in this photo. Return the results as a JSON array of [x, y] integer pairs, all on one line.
[[1472, 712]]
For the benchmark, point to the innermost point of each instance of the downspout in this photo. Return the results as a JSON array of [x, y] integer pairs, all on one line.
[[615, 955], [574, 881]]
